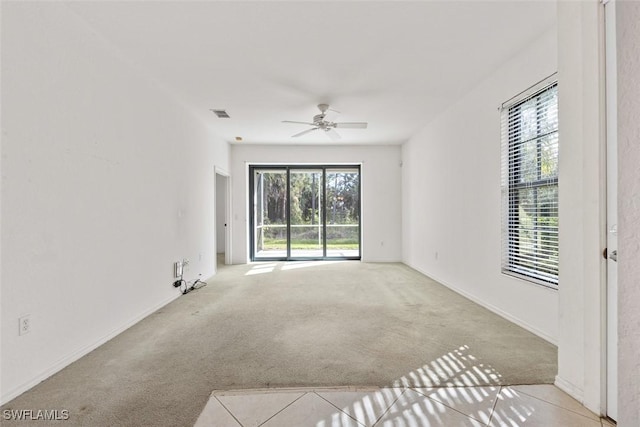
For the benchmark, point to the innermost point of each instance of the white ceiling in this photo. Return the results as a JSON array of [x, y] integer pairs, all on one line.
[[393, 64]]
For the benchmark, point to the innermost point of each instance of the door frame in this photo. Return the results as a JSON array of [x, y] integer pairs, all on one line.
[[610, 392], [289, 168], [227, 214]]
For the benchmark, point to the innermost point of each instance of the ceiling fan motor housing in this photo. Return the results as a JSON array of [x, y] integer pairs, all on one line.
[[319, 123]]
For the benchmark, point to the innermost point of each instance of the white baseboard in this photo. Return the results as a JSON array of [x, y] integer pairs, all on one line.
[[78, 353], [569, 388], [491, 307]]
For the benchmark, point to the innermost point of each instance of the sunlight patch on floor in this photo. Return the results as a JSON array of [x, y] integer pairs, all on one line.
[[261, 269], [450, 390]]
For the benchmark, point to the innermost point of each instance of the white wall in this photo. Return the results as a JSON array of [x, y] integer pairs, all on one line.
[[106, 181], [451, 196], [582, 201], [380, 180], [628, 79]]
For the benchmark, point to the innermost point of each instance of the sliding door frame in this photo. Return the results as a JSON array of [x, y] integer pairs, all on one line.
[[289, 168]]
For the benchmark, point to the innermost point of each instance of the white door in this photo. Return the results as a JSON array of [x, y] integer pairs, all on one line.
[[612, 213]]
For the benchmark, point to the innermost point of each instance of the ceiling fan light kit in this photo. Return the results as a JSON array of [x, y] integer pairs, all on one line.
[[320, 123]]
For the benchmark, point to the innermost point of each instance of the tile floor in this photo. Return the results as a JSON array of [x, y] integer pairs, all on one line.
[[527, 405]]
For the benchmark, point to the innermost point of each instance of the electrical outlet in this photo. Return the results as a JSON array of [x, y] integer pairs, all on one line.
[[24, 325]]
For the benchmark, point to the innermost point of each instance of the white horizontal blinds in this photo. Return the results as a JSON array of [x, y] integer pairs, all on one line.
[[530, 186]]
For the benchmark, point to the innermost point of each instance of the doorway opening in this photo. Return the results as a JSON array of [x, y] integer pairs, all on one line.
[[222, 216], [305, 212]]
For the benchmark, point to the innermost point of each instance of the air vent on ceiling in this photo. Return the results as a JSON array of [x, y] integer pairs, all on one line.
[[222, 114]]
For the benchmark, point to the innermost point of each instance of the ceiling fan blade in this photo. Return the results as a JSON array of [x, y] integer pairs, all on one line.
[[303, 132], [299, 123], [352, 125], [333, 134]]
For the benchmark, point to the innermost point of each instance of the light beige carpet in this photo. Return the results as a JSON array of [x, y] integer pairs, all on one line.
[[292, 324]]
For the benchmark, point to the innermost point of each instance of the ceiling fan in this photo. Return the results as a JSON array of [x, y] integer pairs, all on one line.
[[320, 122]]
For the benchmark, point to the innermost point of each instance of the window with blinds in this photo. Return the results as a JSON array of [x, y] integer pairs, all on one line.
[[529, 126]]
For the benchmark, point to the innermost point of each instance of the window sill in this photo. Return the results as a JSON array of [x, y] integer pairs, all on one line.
[[530, 280]]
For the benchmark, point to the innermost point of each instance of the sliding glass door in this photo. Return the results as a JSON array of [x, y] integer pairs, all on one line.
[[270, 236], [305, 208], [343, 212], [304, 212]]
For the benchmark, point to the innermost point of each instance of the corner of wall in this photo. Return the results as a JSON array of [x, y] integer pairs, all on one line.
[[568, 387]]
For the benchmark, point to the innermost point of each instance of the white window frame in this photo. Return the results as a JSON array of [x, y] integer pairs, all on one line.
[[541, 266]]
